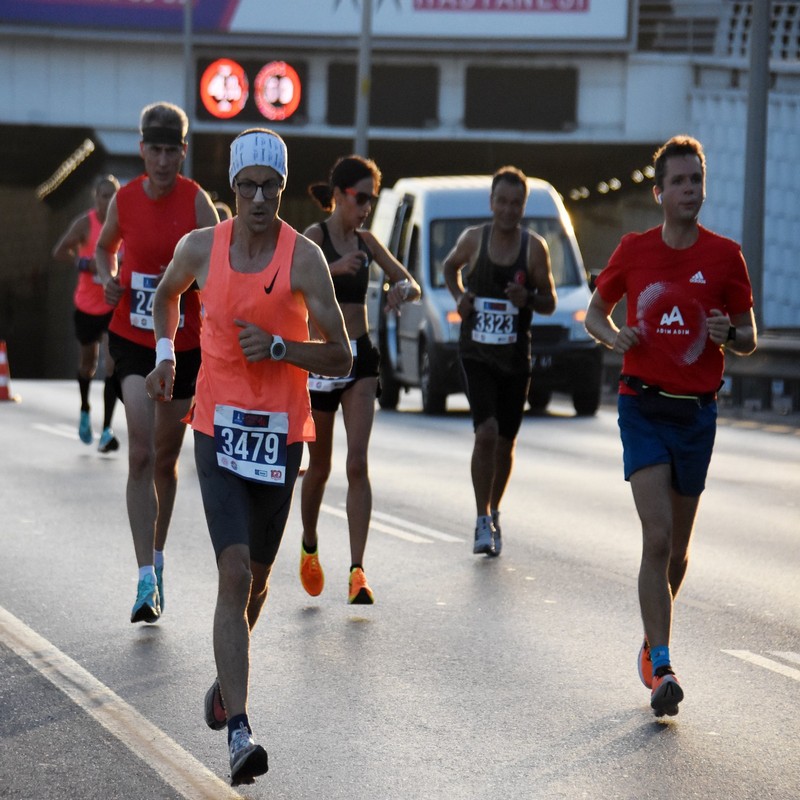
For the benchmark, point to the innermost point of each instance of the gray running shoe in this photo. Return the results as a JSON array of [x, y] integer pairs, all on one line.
[[248, 759], [484, 537], [498, 541]]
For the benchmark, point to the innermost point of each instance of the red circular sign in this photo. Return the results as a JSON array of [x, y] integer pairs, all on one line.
[[277, 90], [224, 88]]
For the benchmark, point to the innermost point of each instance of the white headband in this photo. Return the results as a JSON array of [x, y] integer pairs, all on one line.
[[258, 149]]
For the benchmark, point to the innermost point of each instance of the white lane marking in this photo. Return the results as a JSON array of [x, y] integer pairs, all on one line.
[[794, 658], [400, 534], [767, 663], [182, 771], [412, 526], [57, 431]]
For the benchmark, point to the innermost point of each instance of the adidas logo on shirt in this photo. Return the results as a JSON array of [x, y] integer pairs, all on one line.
[[697, 278]]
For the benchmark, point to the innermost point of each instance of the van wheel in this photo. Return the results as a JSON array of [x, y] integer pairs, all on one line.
[[586, 401], [433, 402], [389, 395], [539, 398]]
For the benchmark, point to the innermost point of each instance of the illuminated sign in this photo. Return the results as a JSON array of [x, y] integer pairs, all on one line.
[[251, 90], [277, 91], [224, 88]]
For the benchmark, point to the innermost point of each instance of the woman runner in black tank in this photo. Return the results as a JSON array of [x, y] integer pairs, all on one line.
[[348, 197], [350, 287]]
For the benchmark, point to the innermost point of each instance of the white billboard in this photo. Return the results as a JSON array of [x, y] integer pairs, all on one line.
[[583, 20]]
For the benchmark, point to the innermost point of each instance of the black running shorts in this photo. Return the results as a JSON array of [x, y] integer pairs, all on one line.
[[135, 359], [497, 394], [240, 511], [89, 328]]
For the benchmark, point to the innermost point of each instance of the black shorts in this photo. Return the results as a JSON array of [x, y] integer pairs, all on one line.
[[240, 511], [366, 361], [135, 359], [496, 394], [89, 328]]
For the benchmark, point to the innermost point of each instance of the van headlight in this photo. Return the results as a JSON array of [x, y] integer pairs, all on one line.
[[577, 329]]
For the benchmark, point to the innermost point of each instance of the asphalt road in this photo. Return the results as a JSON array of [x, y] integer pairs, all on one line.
[[470, 678]]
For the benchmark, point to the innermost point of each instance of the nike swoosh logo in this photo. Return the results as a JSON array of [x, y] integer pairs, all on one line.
[[268, 289]]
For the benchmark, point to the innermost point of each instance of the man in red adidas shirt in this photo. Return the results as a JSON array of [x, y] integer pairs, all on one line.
[[688, 299]]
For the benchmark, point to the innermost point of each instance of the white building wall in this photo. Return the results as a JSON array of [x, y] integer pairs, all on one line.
[[103, 86], [720, 119], [656, 98]]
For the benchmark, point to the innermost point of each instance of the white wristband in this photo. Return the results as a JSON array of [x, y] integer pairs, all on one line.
[[165, 350]]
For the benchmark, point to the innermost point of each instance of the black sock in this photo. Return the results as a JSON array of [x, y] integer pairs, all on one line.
[[83, 385], [110, 400], [235, 722], [355, 566]]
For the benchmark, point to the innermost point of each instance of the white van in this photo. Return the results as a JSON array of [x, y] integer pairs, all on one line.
[[419, 220]]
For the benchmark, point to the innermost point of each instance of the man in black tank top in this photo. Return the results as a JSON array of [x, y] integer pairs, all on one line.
[[498, 274]]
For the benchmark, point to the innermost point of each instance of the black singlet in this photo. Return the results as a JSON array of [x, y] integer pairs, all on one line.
[[348, 288]]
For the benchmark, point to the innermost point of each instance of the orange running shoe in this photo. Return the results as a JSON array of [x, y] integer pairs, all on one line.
[[645, 664], [666, 694], [360, 593], [311, 575]]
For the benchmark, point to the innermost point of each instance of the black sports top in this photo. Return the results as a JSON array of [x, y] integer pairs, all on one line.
[[348, 288], [488, 281]]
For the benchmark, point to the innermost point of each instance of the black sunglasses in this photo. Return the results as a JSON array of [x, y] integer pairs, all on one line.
[[269, 189]]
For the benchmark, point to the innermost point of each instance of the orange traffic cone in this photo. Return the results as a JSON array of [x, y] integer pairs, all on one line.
[[5, 375]]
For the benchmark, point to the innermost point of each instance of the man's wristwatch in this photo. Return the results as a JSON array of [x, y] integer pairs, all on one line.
[[731, 334], [277, 350]]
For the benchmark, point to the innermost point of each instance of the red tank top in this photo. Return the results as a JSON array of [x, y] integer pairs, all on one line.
[[266, 299], [88, 295], [150, 230]]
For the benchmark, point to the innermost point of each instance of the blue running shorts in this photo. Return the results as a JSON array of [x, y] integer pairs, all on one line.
[[685, 447]]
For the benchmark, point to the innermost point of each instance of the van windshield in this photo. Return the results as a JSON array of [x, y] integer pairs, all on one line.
[[445, 232]]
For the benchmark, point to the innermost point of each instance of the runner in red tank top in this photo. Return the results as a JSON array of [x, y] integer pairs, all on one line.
[[92, 313], [149, 216]]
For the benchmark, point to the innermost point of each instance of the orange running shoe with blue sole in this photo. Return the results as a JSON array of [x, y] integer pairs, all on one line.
[[311, 575], [360, 594], [666, 694]]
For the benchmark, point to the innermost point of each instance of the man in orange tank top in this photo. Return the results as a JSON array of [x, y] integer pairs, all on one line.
[[92, 313], [261, 282], [149, 215]]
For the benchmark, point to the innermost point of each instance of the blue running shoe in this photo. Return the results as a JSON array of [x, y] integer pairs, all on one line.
[[108, 442], [146, 608], [85, 428], [160, 584]]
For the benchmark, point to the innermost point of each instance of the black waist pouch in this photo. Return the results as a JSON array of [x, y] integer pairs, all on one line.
[[675, 410]]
